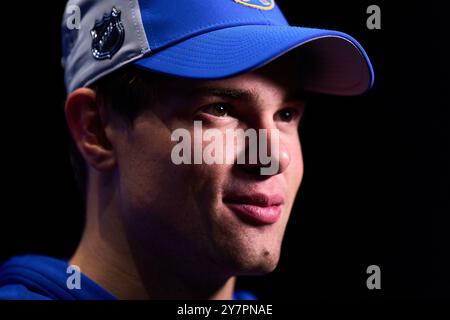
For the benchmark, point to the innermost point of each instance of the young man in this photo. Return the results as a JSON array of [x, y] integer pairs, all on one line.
[[163, 221]]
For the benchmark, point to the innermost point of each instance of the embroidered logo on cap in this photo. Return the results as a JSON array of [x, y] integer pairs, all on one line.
[[258, 4], [107, 36]]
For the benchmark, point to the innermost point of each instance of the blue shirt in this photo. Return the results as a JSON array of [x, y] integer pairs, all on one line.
[[34, 277]]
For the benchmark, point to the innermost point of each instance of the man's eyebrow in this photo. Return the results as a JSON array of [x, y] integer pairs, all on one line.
[[230, 93], [295, 96], [240, 94]]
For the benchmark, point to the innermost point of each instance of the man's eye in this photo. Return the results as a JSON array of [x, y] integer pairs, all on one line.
[[217, 109], [287, 115]]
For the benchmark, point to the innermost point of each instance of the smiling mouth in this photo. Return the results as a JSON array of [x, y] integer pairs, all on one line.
[[256, 209]]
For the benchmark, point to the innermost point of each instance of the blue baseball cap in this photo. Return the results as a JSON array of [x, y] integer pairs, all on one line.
[[201, 39]]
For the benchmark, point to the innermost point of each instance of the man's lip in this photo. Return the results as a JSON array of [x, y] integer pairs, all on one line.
[[255, 199], [259, 209]]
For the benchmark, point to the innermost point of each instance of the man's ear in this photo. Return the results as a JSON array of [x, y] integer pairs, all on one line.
[[87, 124]]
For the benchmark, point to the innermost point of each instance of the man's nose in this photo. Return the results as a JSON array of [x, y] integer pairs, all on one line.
[[272, 155]]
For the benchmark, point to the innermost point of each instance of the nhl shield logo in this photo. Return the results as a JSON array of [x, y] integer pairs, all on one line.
[[258, 4], [107, 36]]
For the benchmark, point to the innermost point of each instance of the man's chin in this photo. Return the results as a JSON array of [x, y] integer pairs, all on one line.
[[254, 264], [245, 249]]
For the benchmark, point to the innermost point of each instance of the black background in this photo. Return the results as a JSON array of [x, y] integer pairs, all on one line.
[[376, 184]]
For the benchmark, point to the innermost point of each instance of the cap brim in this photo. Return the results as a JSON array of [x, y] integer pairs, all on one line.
[[332, 62]]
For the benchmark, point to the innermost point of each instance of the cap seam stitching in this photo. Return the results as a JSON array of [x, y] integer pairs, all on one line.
[[136, 26]]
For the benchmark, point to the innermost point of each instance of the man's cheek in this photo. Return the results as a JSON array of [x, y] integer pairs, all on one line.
[[297, 163]]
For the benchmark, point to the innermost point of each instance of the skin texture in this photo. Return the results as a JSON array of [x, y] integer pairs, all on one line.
[[156, 230]]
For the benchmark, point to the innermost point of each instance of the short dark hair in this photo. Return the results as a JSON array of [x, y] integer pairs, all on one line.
[[128, 92]]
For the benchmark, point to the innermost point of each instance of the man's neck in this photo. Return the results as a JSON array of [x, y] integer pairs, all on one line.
[[104, 255]]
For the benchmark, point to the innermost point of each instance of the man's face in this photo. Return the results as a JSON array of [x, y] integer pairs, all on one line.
[[194, 214]]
